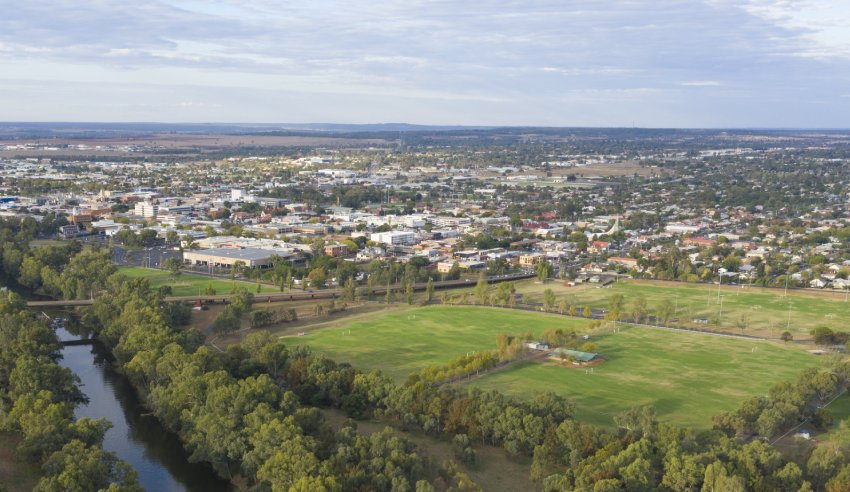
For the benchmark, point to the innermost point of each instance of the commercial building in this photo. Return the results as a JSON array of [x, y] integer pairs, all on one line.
[[531, 259], [227, 257], [394, 237], [147, 210], [336, 250]]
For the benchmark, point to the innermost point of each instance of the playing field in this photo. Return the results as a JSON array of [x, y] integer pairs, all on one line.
[[688, 377], [189, 285], [763, 312], [402, 341]]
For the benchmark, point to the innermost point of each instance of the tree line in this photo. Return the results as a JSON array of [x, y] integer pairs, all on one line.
[[37, 401], [250, 411]]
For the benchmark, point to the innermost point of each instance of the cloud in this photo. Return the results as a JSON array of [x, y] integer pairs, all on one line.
[[701, 83], [502, 58]]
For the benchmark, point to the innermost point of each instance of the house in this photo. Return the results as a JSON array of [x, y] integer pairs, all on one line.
[[620, 260], [598, 246], [446, 266], [701, 242]]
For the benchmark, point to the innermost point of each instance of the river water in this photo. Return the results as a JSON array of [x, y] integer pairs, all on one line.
[[137, 438]]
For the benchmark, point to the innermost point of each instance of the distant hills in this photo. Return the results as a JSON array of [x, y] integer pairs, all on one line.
[[17, 130], [406, 134]]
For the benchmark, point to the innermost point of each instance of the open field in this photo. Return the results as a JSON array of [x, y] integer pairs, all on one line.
[[408, 339], [688, 377], [188, 285], [149, 144], [763, 312]]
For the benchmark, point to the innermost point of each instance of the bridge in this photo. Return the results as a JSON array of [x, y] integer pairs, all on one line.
[[295, 296]]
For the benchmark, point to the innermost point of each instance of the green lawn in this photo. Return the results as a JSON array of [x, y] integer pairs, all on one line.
[[400, 342], [688, 377], [763, 312], [186, 284]]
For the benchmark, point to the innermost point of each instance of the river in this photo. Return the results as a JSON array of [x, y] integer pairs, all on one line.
[[139, 439]]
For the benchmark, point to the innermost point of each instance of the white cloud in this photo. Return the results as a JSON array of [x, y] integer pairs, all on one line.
[[701, 83], [527, 60]]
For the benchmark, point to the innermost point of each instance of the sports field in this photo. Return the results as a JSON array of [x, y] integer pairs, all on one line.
[[406, 340], [762, 312], [188, 285], [688, 377]]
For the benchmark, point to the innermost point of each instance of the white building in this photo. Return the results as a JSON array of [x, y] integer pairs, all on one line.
[[146, 209], [679, 228], [394, 237]]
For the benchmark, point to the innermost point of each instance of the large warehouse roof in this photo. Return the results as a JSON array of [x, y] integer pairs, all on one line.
[[247, 254]]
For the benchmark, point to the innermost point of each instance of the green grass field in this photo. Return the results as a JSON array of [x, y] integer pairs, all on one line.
[[188, 285], [407, 340], [688, 377], [763, 312], [839, 432]]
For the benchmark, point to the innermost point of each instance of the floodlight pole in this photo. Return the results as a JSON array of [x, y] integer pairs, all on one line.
[[788, 325], [720, 275], [720, 316]]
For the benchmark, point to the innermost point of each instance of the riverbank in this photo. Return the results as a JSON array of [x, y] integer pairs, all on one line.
[[16, 475], [135, 436]]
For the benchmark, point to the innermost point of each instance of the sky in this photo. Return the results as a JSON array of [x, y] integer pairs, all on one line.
[[658, 63]]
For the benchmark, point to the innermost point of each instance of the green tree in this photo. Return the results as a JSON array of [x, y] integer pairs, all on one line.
[[548, 299], [317, 278], [664, 311], [544, 270], [171, 237], [482, 288], [349, 291], [172, 265], [236, 268], [453, 273], [77, 467], [639, 309]]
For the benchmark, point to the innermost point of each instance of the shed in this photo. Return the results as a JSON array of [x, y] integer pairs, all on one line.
[[578, 355]]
